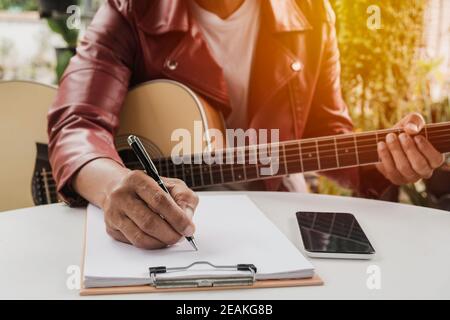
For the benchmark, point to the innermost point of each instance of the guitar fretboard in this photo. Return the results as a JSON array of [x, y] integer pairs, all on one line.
[[297, 156], [317, 154]]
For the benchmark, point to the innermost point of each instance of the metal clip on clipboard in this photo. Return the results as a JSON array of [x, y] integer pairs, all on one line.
[[207, 281]]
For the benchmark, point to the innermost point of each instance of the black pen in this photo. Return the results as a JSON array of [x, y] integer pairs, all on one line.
[[138, 148]]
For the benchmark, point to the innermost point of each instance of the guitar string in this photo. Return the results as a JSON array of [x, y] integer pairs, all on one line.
[[229, 168], [312, 155], [339, 139], [306, 150], [289, 157]]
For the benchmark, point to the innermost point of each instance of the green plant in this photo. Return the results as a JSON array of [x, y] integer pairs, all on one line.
[[24, 5], [379, 67], [58, 24], [383, 77]]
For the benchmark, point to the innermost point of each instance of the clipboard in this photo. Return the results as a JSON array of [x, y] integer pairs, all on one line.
[[245, 279]]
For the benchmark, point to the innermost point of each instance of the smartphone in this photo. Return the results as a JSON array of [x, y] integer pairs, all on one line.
[[333, 235]]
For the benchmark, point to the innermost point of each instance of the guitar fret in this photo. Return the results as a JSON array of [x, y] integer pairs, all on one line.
[[211, 174], [191, 171], [309, 154], [367, 148], [206, 174], [245, 167], [230, 153], [356, 149], [377, 138], [46, 187], [336, 152], [201, 175], [221, 173], [318, 155], [182, 171], [300, 154], [197, 171], [239, 166], [346, 154], [285, 159], [327, 154], [175, 171], [251, 169], [227, 168], [166, 160], [159, 166], [257, 171]]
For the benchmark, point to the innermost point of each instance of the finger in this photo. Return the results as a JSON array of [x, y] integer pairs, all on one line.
[[137, 237], [387, 165], [183, 196], [163, 204], [418, 162], [434, 157], [400, 159], [412, 123], [151, 223], [117, 235]]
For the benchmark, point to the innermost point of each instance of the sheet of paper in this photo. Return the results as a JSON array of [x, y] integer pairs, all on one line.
[[230, 230]]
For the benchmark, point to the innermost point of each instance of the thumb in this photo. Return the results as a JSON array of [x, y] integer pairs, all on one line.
[[413, 123]]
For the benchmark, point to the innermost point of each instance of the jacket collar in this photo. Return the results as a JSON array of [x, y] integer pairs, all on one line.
[[162, 16], [285, 16]]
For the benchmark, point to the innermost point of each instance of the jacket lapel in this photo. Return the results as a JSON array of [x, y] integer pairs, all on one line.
[[277, 57], [190, 62]]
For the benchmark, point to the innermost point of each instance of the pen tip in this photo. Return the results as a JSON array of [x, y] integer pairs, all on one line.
[[193, 243]]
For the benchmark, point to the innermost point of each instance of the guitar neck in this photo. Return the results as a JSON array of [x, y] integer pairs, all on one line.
[[299, 156]]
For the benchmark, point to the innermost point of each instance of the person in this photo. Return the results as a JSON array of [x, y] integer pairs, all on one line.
[[264, 64]]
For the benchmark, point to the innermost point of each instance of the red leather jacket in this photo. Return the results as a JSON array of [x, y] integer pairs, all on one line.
[[294, 83]]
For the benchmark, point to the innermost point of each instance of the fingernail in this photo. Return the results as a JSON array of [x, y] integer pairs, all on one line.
[[189, 231], [381, 146], [391, 138], [189, 211], [418, 139], [412, 127], [403, 137]]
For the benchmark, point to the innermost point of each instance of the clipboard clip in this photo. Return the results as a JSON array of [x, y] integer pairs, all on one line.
[[239, 279]]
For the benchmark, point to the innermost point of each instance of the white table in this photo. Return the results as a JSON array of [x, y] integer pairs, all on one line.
[[38, 244]]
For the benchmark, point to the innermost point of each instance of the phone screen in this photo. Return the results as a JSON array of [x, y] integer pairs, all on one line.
[[326, 232]]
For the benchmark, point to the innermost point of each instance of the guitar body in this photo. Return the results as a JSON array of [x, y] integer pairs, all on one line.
[[23, 114], [151, 111], [154, 110]]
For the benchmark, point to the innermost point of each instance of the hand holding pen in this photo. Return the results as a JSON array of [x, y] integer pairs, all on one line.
[[152, 172]]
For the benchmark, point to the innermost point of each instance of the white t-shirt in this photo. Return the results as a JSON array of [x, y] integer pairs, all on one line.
[[232, 43]]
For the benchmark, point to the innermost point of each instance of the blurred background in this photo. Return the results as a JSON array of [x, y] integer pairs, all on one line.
[[399, 65]]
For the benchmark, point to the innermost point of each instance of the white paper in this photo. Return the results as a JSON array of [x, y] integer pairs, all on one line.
[[230, 230]]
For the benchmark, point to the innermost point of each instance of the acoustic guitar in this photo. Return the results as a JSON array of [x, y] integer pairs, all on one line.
[[153, 111]]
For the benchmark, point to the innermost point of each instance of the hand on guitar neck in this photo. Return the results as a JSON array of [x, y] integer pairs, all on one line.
[[134, 204], [408, 157]]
